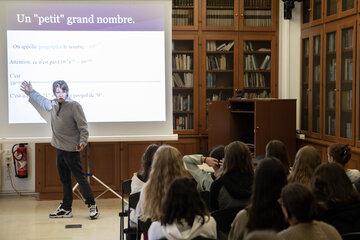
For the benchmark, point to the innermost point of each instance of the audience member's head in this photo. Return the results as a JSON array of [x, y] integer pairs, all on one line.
[[167, 165], [331, 185], [237, 158], [276, 148], [146, 161], [306, 160], [298, 203], [262, 235], [264, 211], [183, 202], [339, 153], [217, 152]]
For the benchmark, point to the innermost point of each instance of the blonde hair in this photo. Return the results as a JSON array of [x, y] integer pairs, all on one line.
[[306, 161], [166, 166]]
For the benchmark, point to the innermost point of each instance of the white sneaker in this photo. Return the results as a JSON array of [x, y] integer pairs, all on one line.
[[61, 213], [94, 213]]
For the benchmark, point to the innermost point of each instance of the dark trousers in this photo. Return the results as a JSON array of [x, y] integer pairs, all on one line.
[[69, 163]]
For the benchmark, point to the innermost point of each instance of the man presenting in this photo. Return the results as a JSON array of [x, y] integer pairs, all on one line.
[[69, 137]]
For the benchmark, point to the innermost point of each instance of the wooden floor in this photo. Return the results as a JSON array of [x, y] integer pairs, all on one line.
[[26, 218]]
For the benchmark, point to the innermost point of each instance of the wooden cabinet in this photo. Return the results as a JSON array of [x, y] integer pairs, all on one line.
[[253, 15], [339, 91], [185, 83], [312, 12], [311, 82], [254, 122]]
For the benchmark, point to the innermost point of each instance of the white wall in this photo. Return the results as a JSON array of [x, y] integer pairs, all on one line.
[[289, 56]]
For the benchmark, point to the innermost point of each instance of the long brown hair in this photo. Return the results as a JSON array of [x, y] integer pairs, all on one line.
[[237, 158], [183, 201], [167, 165], [306, 160], [340, 153], [276, 148], [331, 185]]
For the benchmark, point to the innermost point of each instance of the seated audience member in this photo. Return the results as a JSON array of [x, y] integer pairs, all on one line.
[[262, 235], [306, 160], [140, 178], [341, 154], [357, 185], [264, 211], [338, 198], [277, 149], [166, 166], [203, 178], [184, 214], [233, 187], [298, 204]]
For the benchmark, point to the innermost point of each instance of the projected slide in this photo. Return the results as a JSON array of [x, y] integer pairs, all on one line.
[[112, 57]]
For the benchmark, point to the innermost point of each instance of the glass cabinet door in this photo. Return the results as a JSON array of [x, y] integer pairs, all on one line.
[[330, 84], [331, 7], [184, 99], [346, 87], [316, 83], [219, 14], [305, 11], [317, 10], [257, 14], [219, 72], [257, 68], [347, 5], [305, 84], [184, 14]]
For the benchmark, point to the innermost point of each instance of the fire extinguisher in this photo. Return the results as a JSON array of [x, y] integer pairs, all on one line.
[[19, 153]]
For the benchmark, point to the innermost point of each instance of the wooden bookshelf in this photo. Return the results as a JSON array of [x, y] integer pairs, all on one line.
[[185, 85], [338, 88]]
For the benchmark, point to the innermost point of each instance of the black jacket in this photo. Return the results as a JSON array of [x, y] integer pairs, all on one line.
[[234, 187]]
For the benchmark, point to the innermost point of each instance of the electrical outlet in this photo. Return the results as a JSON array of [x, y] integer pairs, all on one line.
[[7, 157]]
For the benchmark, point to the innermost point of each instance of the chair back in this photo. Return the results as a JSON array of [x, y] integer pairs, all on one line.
[[134, 199], [351, 236]]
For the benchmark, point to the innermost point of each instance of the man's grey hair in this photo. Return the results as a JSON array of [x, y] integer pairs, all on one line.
[[62, 85]]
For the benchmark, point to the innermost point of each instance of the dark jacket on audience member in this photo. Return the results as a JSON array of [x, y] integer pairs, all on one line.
[[233, 189], [345, 218]]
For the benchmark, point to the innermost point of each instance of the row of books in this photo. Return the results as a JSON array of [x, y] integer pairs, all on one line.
[[183, 122], [348, 69], [216, 97], [182, 102], [186, 81], [330, 125], [258, 18], [251, 63], [213, 46], [317, 73], [306, 47], [210, 80], [257, 3], [348, 129], [218, 3], [220, 17], [216, 63], [182, 62], [254, 80], [332, 70], [183, 2], [347, 38], [331, 100], [182, 17], [346, 100], [331, 42], [249, 47], [317, 46], [264, 94]]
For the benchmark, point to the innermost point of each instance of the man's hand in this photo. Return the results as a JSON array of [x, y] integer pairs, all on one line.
[[212, 162], [80, 147], [26, 87]]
